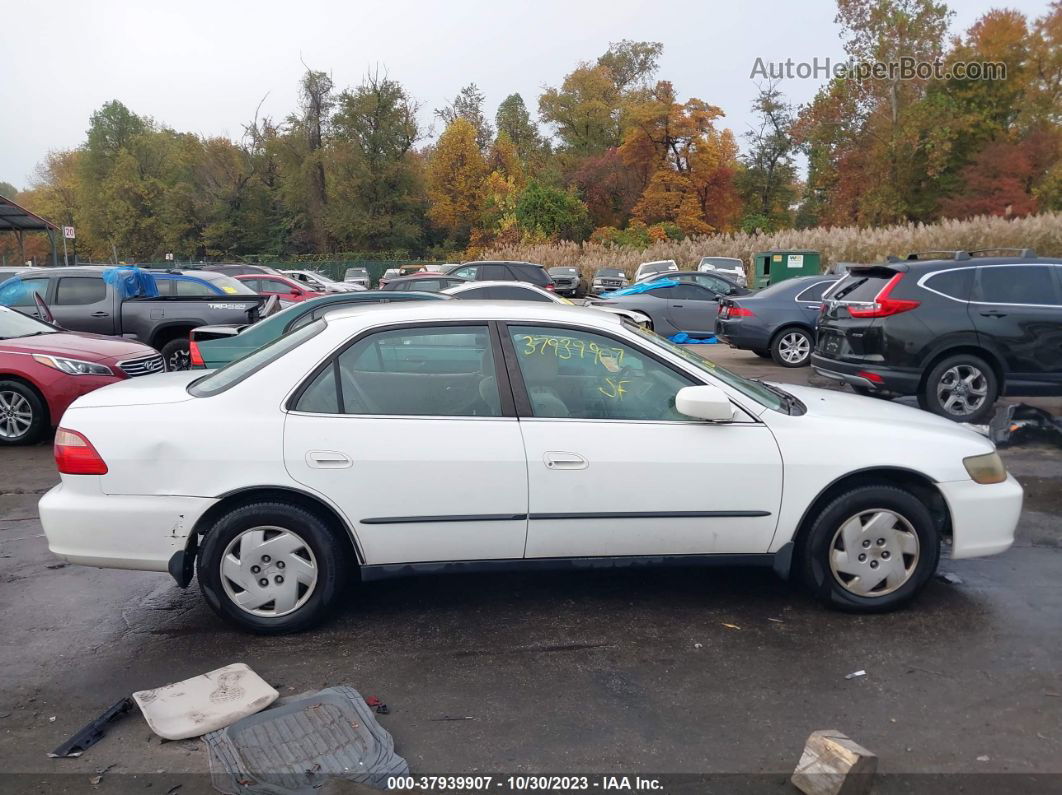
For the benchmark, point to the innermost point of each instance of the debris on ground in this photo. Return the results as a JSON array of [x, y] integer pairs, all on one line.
[[833, 763], [776, 620], [377, 705], [949, 577], [452, 717], [855, 674], [982, 758], [300, 742], [56, 566], [92, 733], [100, 773], [731, 626], [698, 645], [1017, 423], [205, 703], [682, 338]]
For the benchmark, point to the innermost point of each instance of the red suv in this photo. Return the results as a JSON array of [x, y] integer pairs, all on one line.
[[43, 369], [281, 286]]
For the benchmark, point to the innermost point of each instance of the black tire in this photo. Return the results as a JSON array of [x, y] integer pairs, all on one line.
[[813, 560], [946, 371], [16, 399], [331, 560], [762, 354], [787, 342], [176, 355]]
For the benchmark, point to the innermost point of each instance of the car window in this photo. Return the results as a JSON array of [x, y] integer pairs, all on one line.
[[477, 293], [518, 294], [254, 284], [691, 292], [814, 292], [192, 288], [442, 371], [952, 283], [30, 287], [274, 286], [576, 374], [862, 287], [494, 272], [227, 284], [429, 285], [1016, 284], [531, 273], [80, 290], [164, 286], [466, 273], [239, 369], [306, 319]]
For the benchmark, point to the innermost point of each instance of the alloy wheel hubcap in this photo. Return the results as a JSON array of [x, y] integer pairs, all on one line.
[[874, 552], [268, 571], [962, 389], [16, 415], [179, 360], [794, 347]]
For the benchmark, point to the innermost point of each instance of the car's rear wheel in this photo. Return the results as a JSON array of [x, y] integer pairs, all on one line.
[[870, 550], [176, 355], [791, 347], [22, 414], [271, 567], [963, 388]]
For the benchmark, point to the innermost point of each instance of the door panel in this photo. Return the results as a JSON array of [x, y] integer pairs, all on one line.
[[84, 303], [692, 308]]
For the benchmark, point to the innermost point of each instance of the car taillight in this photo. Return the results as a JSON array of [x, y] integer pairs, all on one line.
[[883, 306], [551, 287], [194, 354], [740, 311], [75, 455], [874, 378]]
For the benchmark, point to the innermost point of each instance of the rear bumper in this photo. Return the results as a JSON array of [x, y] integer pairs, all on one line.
[[87, 527], [737, 336], [983, 517], [884, 379]]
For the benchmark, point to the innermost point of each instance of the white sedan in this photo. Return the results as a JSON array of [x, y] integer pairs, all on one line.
[[457, 436]]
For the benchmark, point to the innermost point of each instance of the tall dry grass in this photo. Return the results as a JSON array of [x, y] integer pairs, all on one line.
[[837, 244]]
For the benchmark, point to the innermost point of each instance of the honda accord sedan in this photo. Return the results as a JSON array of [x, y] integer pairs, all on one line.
[[591, 442]]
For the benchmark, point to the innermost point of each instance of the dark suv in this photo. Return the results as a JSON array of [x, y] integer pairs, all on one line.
[[499, 271], [956, 332]]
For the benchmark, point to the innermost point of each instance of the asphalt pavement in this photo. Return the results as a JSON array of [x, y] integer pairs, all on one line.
[[652, 672]]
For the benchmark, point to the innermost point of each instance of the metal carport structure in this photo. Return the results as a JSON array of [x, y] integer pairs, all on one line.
[[17, 219]]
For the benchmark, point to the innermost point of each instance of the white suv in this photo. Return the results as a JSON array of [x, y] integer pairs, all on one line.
[[731, 266]]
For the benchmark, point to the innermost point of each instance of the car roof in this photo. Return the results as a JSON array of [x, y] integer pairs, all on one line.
[[924, 265], [518, 311]]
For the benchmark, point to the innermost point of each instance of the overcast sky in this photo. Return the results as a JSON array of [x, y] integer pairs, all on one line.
[[204, 66]]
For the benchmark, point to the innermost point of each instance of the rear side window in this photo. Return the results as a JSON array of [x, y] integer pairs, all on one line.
[[239, 369], [531, 273], [1016, 284], [861, 287], [192, 288], [489, 273], [517, 294], [814, 292], [954, 283], [79, 290], [477, 293]]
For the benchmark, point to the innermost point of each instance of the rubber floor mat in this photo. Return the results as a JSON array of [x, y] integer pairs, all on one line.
[[300, 742]]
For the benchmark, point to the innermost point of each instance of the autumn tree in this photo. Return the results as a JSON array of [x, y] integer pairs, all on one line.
[[468, 105], [514, 120], [456, 170]]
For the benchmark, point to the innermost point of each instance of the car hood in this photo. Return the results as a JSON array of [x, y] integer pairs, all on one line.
[[88, 347], [152, 390], [836, 404]]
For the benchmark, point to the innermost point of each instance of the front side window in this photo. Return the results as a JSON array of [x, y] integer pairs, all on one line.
[[25, 292], [1017, 284], [445, 371], [466, 273], [80, 290], [576, 374]]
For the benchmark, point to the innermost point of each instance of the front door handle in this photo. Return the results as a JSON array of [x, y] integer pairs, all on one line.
[[327, 459], [101, 314], [563, 460]]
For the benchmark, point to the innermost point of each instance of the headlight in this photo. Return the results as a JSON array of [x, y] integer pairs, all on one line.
[[72, 366], [987, 468]]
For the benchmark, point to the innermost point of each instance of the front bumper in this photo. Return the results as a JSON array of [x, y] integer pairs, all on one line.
[[892, 381], [85, 526], [983, 517]]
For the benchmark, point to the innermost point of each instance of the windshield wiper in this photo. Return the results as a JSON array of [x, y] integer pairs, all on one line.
[[788, 400]]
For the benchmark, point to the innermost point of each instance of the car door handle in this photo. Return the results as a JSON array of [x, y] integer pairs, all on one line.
[[101, 314], [327, 459], [562, 460], [993, 313]]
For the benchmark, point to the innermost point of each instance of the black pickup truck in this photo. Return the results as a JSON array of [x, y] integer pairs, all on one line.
[[81, 299]]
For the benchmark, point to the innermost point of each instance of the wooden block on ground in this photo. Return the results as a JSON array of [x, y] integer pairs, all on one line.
[[834, 764]]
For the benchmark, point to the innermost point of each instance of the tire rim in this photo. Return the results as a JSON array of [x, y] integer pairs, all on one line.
[[179, 360], [794, 347], [268, 571], [874, 552], [962, 389], [16, 415]]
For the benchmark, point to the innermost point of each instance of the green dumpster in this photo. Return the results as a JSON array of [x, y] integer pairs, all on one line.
[[771, 267]]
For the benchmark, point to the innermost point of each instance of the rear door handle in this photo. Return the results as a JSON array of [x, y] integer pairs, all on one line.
[[101, 314], [327, 459], [993, 313], [562, 460]]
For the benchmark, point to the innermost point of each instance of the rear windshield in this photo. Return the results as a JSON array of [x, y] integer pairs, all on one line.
[[239, 369], [861, 287]]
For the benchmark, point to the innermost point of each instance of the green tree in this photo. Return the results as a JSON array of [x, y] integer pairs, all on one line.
[[468, 105], [7, 190], [514, 121], [551, 212], [767, 180]]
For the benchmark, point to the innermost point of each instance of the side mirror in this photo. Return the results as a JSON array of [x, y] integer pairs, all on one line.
[[704, 403], [43, 310]]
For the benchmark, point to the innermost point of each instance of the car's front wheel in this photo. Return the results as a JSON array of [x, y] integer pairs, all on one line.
[[176, 355], [271, 567], [870, 550], [22, 415]]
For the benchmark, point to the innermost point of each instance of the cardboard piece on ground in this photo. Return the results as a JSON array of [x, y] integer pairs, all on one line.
[[834, 764], [204, 703]]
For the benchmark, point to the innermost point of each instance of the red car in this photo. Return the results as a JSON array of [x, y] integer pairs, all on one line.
[[43, 369], [281, 286]]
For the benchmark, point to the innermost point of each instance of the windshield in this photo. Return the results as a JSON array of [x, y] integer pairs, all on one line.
[[227, 284], [753, 389], [610, 272], [13, 324], [237, 370]]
